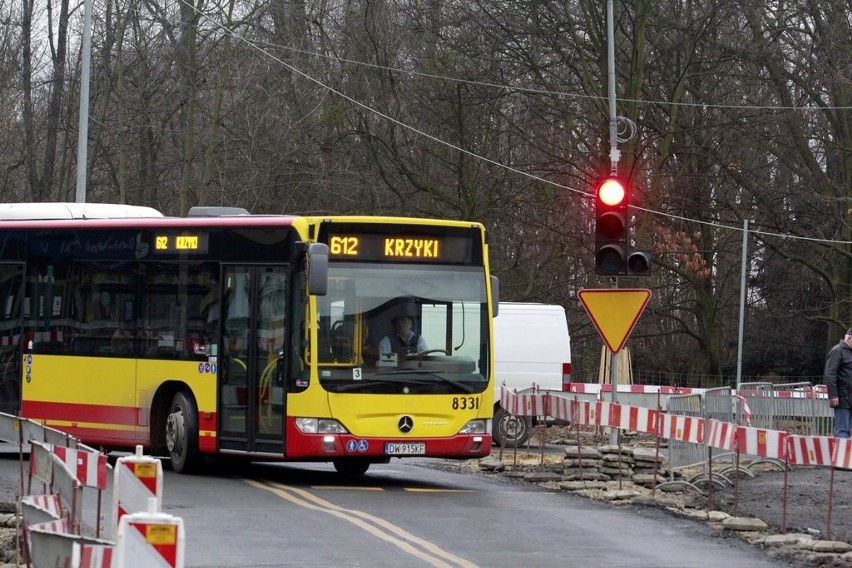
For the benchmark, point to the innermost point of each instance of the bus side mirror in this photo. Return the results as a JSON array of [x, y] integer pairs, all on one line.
[[317, 269]]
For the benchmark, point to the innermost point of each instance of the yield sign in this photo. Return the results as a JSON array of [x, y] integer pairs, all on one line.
[[614, 312]]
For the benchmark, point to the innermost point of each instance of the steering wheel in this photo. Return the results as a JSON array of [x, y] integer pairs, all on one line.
[[430, 351]]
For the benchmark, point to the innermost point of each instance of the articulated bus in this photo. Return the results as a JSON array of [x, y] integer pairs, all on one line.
[[252, 336]]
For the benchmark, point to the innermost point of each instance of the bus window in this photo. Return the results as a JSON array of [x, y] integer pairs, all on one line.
[[102, 309], [180, 313], [337, 323], [271, 319], [447, 353]]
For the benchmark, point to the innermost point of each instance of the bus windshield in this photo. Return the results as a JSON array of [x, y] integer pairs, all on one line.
[[408, 329]]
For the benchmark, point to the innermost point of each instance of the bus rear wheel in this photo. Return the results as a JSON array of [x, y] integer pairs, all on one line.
[[182, 434], [512, 431], [351, 467]]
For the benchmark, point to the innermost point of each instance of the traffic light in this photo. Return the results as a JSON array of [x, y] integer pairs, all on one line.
[[611, 229], [639, 263]]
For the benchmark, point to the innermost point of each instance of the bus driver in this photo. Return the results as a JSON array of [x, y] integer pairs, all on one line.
[[403, 340]]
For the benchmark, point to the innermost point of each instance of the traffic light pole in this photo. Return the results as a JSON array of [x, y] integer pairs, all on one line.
[[614, 156], [613, 381]]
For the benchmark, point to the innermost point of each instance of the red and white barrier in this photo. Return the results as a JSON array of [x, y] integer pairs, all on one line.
[[597, 388], [560, 408], [509, 401], [633, 418], [841, 456], [818, 391], [746, 408], [721, 435], [90, 468], [93, 555], [681, 428], [150, 540], [45, 543], [761, 442], [809, 450], [37, 509], [592, 413], [137, 479], [532, 405]]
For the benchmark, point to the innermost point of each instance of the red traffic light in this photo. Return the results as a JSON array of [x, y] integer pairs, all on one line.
[[611, 227], [611, 192]]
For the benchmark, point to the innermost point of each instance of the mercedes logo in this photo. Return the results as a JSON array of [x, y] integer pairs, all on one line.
[[405, 424]]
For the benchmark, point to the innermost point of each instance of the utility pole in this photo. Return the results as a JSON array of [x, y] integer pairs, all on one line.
[[83, 130]]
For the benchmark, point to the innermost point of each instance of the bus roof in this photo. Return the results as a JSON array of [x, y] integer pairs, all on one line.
[[47, 215], [43, 211]]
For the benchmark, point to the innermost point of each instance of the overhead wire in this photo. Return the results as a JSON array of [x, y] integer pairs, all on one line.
[[263, 50]]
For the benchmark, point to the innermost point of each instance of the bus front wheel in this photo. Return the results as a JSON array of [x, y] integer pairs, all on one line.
[[182, 434], [351, 467], [512, 431]]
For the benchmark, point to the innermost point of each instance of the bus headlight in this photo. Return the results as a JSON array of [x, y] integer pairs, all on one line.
[[319, 426], [476, 427]]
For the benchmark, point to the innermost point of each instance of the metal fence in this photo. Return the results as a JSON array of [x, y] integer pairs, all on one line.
[[794, 408], [683, 455]]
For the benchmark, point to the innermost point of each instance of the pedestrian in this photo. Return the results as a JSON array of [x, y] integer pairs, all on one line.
[[838, 379]]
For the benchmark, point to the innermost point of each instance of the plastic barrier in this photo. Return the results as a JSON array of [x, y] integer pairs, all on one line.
[[721, 435], [36, 509], [633, 418], [682, 428], [810, 450], [762, 442], [841, 456], [150, 539], [46, 466], [90, 468], [137, 479], [52, 545], [93, 555], [592, 413]]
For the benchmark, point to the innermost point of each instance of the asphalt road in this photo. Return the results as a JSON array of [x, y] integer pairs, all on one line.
[[408, 514]]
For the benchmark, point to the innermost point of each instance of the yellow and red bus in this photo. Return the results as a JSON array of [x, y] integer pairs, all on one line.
[[256, 336]]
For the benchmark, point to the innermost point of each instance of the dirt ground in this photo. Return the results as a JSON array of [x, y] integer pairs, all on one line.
[[802, 508], [807, 500]]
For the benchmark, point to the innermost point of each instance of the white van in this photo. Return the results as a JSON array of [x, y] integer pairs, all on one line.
[[532, 350]]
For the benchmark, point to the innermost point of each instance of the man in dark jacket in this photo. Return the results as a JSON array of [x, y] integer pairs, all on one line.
[[403, 339], [838, 378]]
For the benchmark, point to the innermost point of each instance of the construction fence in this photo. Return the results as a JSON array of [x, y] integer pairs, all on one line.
[[784, 425], [52, 484]]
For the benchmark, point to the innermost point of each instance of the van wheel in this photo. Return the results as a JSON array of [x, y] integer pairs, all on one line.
[[182, 434], [512, 431]]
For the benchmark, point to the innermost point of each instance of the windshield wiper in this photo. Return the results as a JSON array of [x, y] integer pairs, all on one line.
[[463, 386], [378, 380]]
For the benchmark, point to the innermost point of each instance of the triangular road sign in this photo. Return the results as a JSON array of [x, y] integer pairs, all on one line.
[[614, 312]]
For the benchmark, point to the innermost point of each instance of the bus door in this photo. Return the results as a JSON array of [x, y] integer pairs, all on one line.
[[11, 309], [251, 398]]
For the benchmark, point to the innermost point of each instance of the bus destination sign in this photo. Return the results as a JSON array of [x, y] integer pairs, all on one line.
[[191, 243], [391, 247], [400, 247]]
